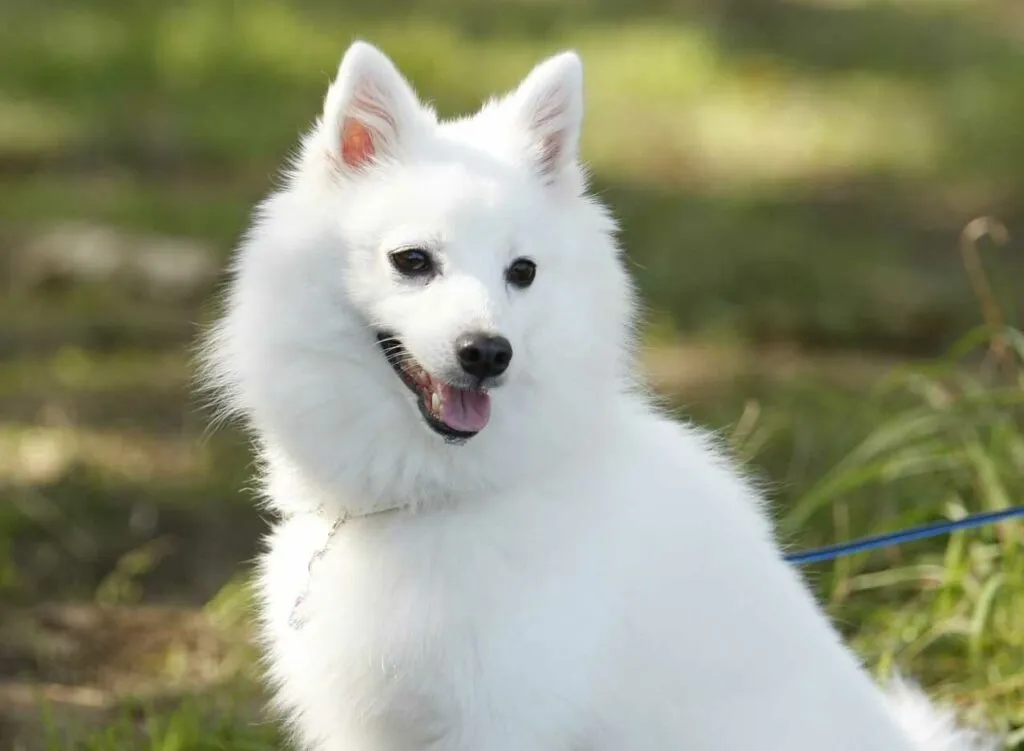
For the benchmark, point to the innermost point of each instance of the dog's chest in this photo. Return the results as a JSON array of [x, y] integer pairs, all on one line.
[[436, 641]]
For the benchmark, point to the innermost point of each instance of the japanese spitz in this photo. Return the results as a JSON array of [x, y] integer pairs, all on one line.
[[488, 536]]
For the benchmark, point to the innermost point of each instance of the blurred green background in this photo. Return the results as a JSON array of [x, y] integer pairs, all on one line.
[[792, 177]]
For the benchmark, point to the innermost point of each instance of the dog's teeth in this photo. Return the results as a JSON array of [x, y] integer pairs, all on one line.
[[435, 402]]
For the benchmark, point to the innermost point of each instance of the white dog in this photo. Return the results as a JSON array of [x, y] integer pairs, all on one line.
[[490, 539]]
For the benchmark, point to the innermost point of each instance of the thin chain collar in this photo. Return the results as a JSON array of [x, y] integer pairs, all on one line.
[[298, 618]]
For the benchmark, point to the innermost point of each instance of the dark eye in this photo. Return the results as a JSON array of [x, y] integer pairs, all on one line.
[[521, 273], [412, 262]]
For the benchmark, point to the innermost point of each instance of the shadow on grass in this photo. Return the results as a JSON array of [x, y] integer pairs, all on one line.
[[87, 534], [99, 678]]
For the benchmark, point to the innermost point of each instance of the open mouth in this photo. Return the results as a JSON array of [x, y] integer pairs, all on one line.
[[453, 412]]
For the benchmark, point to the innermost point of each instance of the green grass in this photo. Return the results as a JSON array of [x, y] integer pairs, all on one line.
[[809, 190], [949, 614], [932, 440], [189, 727]]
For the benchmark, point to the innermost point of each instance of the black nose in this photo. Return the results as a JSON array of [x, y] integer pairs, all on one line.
[[482, 355]]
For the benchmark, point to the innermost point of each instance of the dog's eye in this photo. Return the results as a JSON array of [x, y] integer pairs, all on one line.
[[412, 262], [521, 273]]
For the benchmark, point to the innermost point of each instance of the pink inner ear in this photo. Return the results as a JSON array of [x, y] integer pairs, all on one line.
[[550, 152], [356, 143], [548, 111]]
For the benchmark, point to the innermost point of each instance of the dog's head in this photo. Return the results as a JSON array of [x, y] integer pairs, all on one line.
[[424, 297]]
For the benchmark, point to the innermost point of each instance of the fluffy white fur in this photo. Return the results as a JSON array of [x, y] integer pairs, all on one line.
[[585, 574]]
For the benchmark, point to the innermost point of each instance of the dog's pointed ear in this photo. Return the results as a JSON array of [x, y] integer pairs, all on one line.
[[549, 105], [368, 110]]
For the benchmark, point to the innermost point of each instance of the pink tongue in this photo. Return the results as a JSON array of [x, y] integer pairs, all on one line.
[[465, 410]]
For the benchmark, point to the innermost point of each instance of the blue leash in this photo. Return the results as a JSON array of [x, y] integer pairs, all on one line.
[[831, 552]]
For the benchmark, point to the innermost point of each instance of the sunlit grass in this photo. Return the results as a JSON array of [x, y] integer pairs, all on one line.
[[938, 440], [34, 454], [190, 727], [196, 77], [799, 183], [951, 614]]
